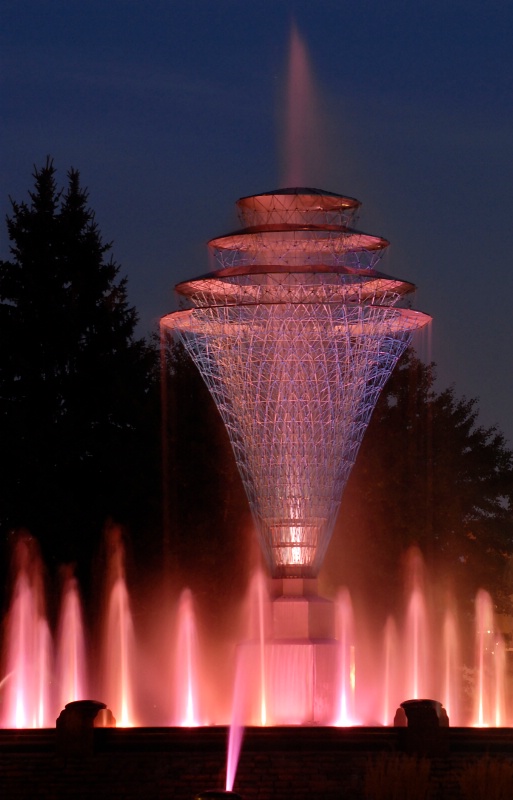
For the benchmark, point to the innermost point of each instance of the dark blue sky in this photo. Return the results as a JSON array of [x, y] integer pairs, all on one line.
[[172, 110]]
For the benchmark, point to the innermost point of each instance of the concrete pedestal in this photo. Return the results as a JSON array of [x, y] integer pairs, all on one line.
[[297, 665]]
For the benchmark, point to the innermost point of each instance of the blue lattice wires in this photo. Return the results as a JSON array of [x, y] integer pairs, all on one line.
[[295, 336]]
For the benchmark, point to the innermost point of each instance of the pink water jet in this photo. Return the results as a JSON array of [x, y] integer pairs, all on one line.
[[489, 708], [236, 729], [186, 664], [71, 651], [251, 671], [28, 648], [451, 667], [303, 131], [347, 666], [391, 700], [252, 679], [119, 648], [417, 633]]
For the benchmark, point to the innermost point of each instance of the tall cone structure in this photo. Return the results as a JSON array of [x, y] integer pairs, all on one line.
[[295, 336]]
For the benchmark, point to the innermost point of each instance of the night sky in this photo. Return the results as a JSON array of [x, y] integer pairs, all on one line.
[[172, 110]]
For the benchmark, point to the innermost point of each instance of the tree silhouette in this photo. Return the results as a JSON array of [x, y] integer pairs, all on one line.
[[77, 389], [209, 519], [428, 474]]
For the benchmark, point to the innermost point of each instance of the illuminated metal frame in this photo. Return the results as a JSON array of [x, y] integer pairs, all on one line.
[[295, 336]]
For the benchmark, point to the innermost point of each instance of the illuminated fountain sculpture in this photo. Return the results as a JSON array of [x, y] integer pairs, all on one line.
[[295, 336]]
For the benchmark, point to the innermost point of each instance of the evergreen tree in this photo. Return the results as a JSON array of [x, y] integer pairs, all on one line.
[[428, 474], [77, 398]]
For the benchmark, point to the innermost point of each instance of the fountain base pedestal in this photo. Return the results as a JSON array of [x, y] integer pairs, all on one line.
[[295, 669], [303, 652]]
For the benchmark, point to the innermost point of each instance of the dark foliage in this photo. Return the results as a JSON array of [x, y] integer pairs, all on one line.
[[208, 520], [428, 474], [78, 392]]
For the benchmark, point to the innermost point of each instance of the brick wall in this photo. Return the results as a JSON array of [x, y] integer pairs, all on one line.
[[175, 764]]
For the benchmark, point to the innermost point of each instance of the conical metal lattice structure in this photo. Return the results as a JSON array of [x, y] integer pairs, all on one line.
[[295, 336]]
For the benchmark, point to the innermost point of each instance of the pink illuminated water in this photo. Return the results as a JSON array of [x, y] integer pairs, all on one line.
[[261, 681], [490, 702], [249, 701], [71, 651], [118, 646], [236, 730], [303, 141], [186, 664], [347, 667], [28, 647], [390, 649], [452, 659], [416, 640]]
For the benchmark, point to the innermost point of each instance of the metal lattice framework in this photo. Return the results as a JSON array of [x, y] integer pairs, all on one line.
[[295, 336]]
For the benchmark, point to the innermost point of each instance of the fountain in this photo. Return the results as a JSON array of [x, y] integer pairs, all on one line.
[[295, 335]]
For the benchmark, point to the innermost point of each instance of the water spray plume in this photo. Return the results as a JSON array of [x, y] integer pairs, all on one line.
[[28, 646], [119, 640], [71, 651], [390, 703], [347, 665], [490, 666], [186, 663], [298, 106], [266, 668]]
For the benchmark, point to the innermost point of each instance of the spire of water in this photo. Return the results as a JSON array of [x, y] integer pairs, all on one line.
[[28, 647], [489, 707], [390, 701], [417, 647], [186, 664], [70, 649], [347, 662], [303, 136], [119, 640], [451, 671]]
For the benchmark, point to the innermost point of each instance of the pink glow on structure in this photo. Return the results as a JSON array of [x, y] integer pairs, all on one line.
[[291, 674]]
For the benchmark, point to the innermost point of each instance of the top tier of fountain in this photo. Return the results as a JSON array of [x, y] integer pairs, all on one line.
[[298, 241]]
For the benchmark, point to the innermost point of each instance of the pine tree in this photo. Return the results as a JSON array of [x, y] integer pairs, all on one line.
[[77, 403]]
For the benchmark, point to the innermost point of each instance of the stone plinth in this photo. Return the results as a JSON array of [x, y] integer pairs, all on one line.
[[298, 612]]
